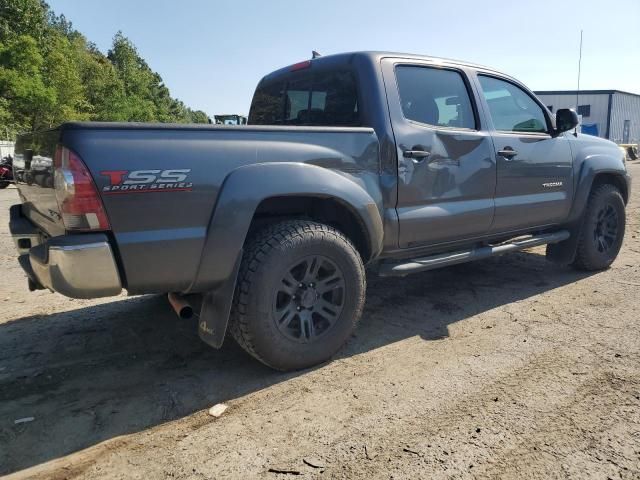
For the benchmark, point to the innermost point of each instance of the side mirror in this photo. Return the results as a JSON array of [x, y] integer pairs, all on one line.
[[566, 119]]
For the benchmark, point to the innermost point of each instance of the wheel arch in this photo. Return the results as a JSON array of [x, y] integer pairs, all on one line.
[[329, 210], [249, 191], [255, 186], [595, 168], [613, 178], [592, 177]]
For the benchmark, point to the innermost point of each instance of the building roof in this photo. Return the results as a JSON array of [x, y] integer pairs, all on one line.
[[583, 92]]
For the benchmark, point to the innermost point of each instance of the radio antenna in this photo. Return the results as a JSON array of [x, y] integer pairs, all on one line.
[[579, 68], [575, 132]]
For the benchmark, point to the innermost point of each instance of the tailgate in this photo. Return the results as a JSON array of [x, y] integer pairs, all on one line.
[[33, 172]]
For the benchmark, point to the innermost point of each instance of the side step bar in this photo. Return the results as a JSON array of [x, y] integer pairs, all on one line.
[[461, 256]]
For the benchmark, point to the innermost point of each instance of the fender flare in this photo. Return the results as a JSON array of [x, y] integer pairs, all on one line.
[[241, 193], [591, 167], [564, 252]]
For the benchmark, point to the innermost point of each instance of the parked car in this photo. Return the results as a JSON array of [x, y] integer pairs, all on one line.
[[404, 163], [6, 171]]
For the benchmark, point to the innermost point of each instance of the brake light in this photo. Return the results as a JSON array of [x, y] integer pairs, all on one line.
[[78, 200], [300, 65]]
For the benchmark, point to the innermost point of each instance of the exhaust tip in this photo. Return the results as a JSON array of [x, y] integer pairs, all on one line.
[[181, 306], [186, 313]]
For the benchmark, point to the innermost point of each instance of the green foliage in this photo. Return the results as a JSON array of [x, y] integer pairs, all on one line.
[[22, 17], [24, 96], [49, 73]]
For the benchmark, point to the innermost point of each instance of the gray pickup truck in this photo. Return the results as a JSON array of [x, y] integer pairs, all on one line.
[[403, 163]]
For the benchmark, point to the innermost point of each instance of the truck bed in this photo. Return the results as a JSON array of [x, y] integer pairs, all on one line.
[[161, 225]]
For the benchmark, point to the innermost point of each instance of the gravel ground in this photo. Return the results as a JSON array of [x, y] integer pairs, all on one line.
[[504, 368]]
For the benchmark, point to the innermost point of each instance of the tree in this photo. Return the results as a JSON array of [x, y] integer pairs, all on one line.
[[61, 72], [199, 116], [23, 17], [104, 90], [50, 73], [25, 97]]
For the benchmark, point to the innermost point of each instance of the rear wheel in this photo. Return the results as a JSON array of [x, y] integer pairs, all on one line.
[[602, 229], [300, 293], [3, 184]]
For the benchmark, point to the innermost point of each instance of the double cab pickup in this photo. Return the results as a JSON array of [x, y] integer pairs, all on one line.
[[401, 163]]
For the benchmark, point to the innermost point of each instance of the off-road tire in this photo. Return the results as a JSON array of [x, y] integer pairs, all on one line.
[[267, 257], [589, 256]]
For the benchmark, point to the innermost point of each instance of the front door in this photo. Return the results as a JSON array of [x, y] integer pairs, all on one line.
[[446, 163], [535, 168]]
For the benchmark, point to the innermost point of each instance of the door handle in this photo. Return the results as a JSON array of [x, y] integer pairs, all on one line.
[[507, 153], [416, 154]]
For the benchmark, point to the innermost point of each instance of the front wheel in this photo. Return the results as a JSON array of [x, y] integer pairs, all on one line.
[[4, 184], [602, 229], [300, 293]]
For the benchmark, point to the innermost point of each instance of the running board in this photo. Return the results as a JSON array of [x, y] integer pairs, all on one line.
[[461, 256]]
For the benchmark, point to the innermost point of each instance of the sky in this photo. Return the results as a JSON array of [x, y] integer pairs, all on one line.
[[212, 53]]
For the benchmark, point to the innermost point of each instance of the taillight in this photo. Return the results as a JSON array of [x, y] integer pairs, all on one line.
[[77, 195]]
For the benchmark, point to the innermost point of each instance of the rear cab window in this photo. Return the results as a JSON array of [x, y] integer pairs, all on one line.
[[308, 97]]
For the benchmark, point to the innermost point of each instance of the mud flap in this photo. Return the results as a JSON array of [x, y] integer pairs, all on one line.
[[216, 308], [564, 253]]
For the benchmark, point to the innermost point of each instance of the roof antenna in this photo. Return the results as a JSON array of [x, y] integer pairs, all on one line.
[[575, 132], [314, 54]]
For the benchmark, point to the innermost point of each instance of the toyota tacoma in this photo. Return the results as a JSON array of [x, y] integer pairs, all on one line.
[[401, 163]]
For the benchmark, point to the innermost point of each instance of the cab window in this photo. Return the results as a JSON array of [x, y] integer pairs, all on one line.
[[511, 108], [434, 96]]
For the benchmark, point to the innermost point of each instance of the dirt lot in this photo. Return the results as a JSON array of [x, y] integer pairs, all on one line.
[[510, 368]]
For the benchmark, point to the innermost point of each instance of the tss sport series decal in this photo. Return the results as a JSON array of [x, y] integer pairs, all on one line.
[[147, 181]]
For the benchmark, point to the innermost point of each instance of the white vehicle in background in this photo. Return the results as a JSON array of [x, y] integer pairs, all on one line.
[[232, 119]]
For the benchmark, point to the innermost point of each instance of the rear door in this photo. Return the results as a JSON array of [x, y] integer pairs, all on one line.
[[446, 162], [535, 169]]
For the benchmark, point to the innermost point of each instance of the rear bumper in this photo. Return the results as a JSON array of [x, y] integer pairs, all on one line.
[[25, 234], [77, 266]]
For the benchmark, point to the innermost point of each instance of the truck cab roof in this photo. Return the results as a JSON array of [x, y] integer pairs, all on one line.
[[375, 57]]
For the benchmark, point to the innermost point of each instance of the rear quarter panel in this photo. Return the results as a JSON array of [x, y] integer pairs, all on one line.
[[160, 235]]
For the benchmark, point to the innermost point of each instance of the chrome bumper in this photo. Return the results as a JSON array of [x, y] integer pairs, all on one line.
[[77, 266], [77, 270]]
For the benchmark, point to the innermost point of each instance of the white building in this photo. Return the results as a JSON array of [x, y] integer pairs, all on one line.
[[611, 114], [6, 148]]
